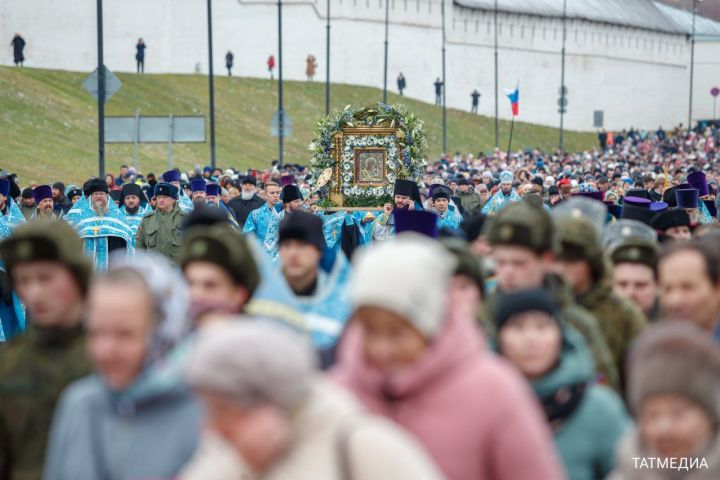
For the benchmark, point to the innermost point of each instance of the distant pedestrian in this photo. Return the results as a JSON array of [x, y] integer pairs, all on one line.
[[475, 100], [18, 44], [311, 66], [603, 139], [140, 56], [439, 84], [401, 83], [271, 65], [229, 58]]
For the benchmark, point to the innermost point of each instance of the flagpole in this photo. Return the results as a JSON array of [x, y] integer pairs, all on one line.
[[512, 127]]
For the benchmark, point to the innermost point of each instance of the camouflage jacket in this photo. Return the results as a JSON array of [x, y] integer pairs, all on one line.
[[619, 318], [575, 316], [162, 232], [34, 370]]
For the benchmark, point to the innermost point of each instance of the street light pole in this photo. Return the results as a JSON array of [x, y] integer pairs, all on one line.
[[444, 86], [562, 76], [327, 62], [211, 85], [497, 121], [387, 22], [281, 113], [692, 64], [101, 92]]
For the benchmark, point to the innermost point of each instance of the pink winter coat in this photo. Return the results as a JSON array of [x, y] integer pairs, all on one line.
[[471, 411]]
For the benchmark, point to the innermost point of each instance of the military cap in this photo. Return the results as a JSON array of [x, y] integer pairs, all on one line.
[[167, 190], [74, 192], [47, 240], [577, 239], [468, 264], [580, 206], [615, 233], [224, 247], [636, 250], [523, 225]]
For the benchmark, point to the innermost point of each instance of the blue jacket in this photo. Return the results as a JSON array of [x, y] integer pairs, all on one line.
[[146, 432]]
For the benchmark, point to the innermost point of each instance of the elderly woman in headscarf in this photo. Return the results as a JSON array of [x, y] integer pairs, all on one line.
[[135, 418]]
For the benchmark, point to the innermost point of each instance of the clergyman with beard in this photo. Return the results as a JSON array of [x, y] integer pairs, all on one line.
[[248, 200]]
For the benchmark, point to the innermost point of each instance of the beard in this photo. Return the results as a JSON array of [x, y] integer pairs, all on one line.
[[247, 195], [132, 210], [100, 209], [199, 202]]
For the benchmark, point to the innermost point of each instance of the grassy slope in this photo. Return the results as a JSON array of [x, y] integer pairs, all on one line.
[[48, 122]]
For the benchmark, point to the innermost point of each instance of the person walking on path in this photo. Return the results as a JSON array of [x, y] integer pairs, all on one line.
[[475, 101], [401, 83], [18, 44], [229, 58], [439, 84], [271, 65], [311, 66], [140, 55]]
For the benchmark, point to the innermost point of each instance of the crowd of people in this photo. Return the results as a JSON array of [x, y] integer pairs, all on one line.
[[539, 315]]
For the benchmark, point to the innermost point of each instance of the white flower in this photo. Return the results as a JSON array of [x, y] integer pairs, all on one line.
[[347, 191], [347, 166]]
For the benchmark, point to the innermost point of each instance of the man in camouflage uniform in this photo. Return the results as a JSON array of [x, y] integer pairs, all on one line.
[[51, 275], [161, 230], [585, 268], [522, 239], [635, 274]]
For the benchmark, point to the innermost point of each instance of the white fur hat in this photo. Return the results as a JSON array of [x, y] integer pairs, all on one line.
[[409, 276]]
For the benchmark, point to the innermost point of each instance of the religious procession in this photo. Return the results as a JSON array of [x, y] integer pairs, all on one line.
[[369, 314]]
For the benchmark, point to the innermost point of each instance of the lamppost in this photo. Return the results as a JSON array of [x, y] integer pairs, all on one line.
[[444, 86], [562, 76], [211, 85], [327, 62], [281, 113], [692, 63], [497, 121], [101, 92], [387, 23]]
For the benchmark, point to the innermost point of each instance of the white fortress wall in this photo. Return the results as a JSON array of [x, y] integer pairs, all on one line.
[[637, 77]]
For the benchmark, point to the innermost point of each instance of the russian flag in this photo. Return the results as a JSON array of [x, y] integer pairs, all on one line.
[[514, 97]]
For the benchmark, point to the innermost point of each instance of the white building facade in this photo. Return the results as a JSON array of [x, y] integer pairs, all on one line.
[[630, 64]]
